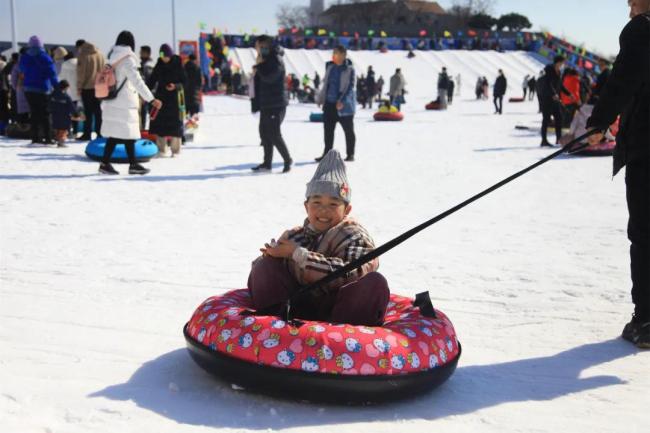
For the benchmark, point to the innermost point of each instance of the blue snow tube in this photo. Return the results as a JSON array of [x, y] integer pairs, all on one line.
[[144, 151], [316, 117]]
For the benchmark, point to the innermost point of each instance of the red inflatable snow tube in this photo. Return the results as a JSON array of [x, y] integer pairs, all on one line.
[[433, 105], [410, 353], [388, 117], [515, 99]]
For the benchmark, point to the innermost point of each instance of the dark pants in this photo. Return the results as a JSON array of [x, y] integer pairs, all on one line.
[[548, 111], [568, 112], [144, 112], [525, 92], [498, 104], [110, 147], [40, 115], [271, 134], [362, 302], [92, 110], [637, 181], [330, 118], [4, 105]]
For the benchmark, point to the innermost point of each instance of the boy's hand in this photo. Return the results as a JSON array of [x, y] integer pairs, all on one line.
[[281, 249]]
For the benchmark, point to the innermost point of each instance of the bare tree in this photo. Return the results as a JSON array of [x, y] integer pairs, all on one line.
[[290, 16]]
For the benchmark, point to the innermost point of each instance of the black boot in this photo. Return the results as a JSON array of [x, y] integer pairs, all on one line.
[[138, 169], [637, 332], [106, 168], [262, 167], [287, 166]]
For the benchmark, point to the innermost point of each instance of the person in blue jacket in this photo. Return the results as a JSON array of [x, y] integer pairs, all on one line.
[[40, 78], [338, 98]]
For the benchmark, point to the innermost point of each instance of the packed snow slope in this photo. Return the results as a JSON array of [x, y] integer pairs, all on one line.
[[420, 72], [99, 274]]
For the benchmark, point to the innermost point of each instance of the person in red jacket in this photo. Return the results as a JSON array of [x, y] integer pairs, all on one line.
[[571, 101]]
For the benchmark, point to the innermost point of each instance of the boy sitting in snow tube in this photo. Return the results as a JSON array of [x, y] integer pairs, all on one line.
[[327, 240]]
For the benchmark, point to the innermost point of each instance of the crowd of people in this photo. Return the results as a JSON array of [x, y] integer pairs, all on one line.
[[51, 95]]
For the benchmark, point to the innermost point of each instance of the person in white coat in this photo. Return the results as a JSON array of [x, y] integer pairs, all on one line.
[[121, 119]]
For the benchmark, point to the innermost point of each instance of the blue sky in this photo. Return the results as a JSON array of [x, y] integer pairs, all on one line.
[[597, 23]]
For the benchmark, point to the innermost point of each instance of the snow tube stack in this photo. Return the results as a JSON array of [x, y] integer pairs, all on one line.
[[144, 151], [19, 130], [316, 117], [412, 352], [515, 99]]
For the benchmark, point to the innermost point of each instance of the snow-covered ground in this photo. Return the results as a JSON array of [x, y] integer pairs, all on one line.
[[98, 275]]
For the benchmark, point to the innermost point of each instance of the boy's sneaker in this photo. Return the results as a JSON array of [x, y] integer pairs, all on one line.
[[349, 158], [138, 169], [319, 158], [637, 331], [107, 169], [261, 167], [546, 144]]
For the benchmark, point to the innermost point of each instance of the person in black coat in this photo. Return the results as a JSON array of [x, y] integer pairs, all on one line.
[[627, 92], [269, 97], [500, 86], [549, 88], [168, 79], [193, 86], [370, 86]]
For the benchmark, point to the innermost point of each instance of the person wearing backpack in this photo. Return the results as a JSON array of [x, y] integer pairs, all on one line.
[[121, 119], [39, 80]]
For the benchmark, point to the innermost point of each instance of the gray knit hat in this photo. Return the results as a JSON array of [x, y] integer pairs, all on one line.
[[330, 178]]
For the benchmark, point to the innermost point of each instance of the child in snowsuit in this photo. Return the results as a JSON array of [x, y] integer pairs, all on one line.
[[63, 110], [328, 240]]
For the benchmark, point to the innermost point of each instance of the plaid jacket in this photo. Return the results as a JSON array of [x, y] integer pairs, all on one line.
[[323, 253]]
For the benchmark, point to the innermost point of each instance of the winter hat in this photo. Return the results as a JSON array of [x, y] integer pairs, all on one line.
[[330, 178], [60, 53], [166, 50], [35, 42]]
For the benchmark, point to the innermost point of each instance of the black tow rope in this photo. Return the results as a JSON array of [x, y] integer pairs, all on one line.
[[572, 147]]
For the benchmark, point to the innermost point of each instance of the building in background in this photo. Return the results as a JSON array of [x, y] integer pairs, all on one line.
[[397, 18]]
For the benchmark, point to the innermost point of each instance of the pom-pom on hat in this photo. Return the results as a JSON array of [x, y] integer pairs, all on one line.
[[330, 178]]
